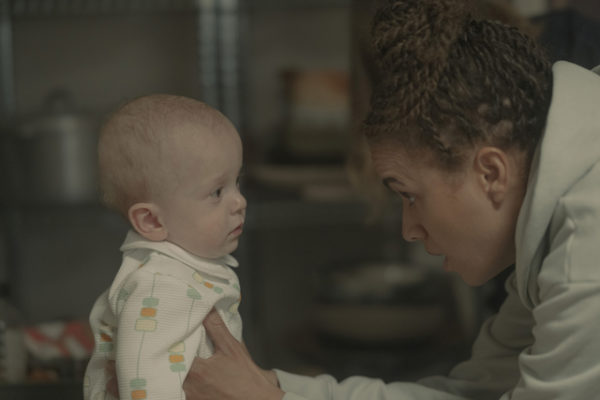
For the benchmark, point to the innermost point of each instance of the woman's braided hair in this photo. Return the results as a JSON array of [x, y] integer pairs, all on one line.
[[451, 81]]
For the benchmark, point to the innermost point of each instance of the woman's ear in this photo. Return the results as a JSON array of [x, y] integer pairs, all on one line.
[[492, 167], [146, 220]]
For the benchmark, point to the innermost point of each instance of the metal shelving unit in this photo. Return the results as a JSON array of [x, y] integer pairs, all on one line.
[[217, 36], [7, 103], [37, 8], [260, 5], [40, 8]]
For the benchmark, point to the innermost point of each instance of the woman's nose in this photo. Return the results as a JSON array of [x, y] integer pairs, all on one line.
[[412, 230]]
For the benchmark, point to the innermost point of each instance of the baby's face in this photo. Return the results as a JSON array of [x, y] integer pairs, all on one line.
[[203, 210]]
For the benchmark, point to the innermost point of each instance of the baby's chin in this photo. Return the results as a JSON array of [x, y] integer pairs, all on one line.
[[215, 254]]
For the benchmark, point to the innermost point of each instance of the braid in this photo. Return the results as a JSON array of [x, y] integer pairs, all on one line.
[[413, 61], [455, 81]]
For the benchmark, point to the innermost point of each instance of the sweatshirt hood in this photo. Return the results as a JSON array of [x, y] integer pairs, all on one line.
[[569, 147]]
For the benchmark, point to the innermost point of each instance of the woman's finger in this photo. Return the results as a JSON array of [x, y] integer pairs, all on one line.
[[112, 386], [219, 334], [110, 368]]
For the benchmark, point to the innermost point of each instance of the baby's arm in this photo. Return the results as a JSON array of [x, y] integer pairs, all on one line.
[[160, 330]]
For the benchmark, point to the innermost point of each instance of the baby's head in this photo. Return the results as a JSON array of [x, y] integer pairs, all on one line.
[[170, 165]]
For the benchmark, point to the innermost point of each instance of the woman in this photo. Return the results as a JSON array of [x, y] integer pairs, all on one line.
[[496, 156]]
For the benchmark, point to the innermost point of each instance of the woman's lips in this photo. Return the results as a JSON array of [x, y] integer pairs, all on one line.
[[433, 252]]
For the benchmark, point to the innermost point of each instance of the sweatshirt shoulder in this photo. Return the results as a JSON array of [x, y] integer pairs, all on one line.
[[574, 233]]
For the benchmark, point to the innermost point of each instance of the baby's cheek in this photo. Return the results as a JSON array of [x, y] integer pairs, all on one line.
[[213, 238]]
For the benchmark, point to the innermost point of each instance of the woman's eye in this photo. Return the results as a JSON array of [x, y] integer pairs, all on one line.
[[409, 197]]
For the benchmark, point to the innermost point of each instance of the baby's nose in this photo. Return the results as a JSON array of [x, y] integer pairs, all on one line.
[[240, 203]]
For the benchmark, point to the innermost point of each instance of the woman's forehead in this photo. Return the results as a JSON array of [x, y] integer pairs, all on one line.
[[396, 154], [396, 162]]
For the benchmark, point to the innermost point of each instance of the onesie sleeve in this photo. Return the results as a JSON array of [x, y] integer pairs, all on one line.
[[160, 330]]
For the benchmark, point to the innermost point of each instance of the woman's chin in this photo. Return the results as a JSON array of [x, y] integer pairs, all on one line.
[[446, 265]]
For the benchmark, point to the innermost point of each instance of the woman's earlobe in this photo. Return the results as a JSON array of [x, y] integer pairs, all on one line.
[[145, 218]]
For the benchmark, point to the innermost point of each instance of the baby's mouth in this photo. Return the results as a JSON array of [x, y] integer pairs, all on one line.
[[238, 229]]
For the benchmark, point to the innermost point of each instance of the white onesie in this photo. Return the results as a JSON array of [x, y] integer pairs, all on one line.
[[150, 319]]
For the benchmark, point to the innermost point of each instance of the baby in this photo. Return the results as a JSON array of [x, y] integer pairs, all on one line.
[[171, 166]]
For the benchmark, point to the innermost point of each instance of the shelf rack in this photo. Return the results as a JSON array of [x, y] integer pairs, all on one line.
[[29, 8], [21, 8], [217, 38]]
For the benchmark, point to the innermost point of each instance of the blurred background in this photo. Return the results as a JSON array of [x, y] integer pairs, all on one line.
[[328, 285]]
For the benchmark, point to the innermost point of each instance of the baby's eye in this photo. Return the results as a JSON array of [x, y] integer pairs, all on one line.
[[217, 193]]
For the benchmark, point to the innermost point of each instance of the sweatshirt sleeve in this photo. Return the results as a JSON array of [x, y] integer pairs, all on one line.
[[493, 367], [490, 372], [325, 387], [550, 353]]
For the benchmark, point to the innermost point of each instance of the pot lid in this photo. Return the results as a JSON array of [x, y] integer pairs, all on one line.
[[58, 114]]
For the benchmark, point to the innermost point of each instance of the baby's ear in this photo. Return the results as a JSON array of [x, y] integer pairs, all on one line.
[[146, 220]]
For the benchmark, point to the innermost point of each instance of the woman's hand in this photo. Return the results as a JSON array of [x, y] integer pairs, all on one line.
[[230, 374], [112, 386]]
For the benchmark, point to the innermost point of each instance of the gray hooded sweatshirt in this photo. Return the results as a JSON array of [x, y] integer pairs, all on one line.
[[544, 343]]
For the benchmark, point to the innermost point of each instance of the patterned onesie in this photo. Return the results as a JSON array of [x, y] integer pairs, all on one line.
[[150, 319]]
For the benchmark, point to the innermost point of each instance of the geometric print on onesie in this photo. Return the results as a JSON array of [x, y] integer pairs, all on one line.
[[147, 323]]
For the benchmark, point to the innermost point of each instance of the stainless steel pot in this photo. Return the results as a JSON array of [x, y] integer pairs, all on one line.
[[51, 155]]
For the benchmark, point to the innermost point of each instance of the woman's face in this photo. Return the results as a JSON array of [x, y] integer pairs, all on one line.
[[460, 216]]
